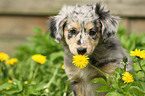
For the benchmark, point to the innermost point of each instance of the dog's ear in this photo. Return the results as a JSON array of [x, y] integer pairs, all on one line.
[[109, 21], [56, 26], [52, 26]]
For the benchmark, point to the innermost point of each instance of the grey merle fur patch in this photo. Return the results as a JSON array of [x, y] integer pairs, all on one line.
[[84, 14]]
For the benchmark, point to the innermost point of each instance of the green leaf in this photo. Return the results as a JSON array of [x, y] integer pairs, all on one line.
[[6, 85], [119, 70], [132, 45], [127, 44], [125, 86], [55, 55], [40, 86], [142, 62], [103, 89], [142, 84], [15, 87], [114, 94], [100, 80], [19, 84], [116, 74], [140, 37], [123, 40], [136, 67], [32, 39], [37, 31], [143, 41], [140, 74], [137, 88], [115, 85], [108, 78], [132, 36]]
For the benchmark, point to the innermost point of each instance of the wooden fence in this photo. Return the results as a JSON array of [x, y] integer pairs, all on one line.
[[18, 17]]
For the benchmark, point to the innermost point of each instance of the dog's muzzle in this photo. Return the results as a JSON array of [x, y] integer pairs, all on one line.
[[82, 51]]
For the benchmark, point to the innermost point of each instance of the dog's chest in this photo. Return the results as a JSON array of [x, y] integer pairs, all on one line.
[[81, 75]]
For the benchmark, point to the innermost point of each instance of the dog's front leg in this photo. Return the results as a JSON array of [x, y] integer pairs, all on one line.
[[85, 89], [73, 83], [76, 88]]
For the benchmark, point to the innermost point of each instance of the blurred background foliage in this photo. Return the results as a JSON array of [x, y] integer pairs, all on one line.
[[50, 79], [131, 41]]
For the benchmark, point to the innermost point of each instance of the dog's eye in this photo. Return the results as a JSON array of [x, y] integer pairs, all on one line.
[[73, 31], [92, 32]]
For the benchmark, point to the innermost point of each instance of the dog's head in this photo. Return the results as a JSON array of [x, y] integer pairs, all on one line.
[[82, 26]]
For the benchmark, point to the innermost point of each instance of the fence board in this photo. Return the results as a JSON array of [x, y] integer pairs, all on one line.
[[137, 25], [7, 45], [129, 8], [20, 27]]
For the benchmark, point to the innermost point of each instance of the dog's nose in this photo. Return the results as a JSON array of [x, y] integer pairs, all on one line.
[[81, 51]]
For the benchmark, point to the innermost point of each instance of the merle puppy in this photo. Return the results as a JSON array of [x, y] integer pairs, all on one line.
[[88, 30]]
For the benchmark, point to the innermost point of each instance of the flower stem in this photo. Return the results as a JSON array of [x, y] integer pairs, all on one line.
[[140, 66], [13, 72], [97, 69], [1, 70], [36, 70], [125, 67], [52, 78]]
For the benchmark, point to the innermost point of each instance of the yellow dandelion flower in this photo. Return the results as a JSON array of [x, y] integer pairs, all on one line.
[[138, 53], [142, 54], [10, 81], [3, 57], [80, 61], [8, 88], [12, 61], [63, 67], [127, 77], [135, 53], [39, 58]]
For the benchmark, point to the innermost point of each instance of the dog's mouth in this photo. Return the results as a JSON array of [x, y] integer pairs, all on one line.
[[82, 51]]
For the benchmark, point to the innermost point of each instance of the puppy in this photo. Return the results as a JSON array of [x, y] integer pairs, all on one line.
[[88, 30]]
